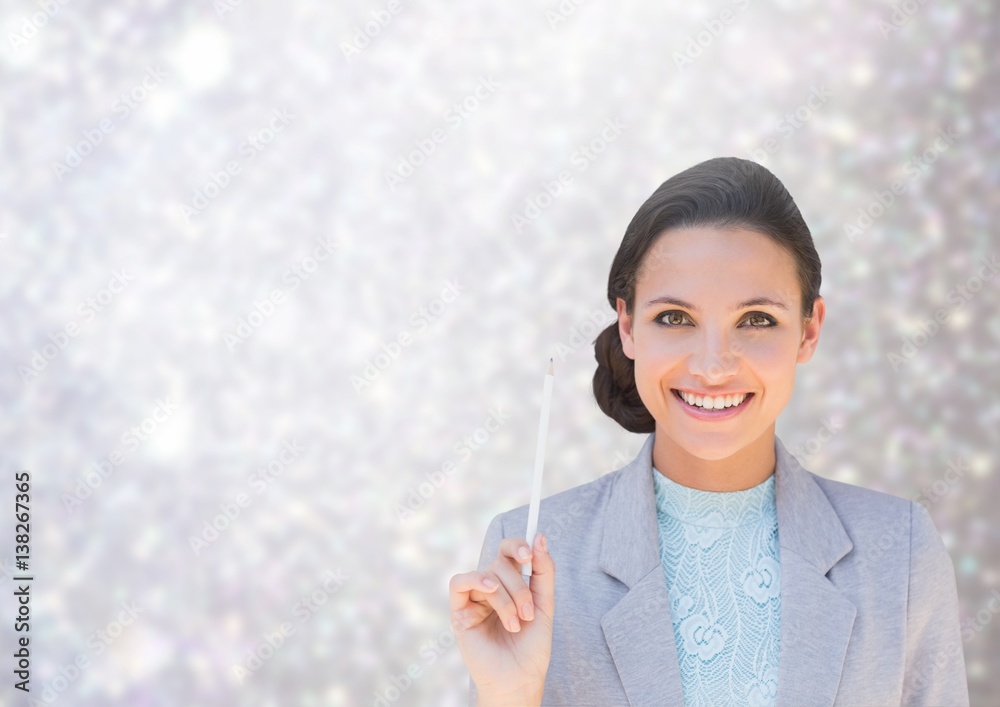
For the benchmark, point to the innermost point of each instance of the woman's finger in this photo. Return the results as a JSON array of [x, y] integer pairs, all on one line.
[[508, 568], [501, 601], [462, 585]]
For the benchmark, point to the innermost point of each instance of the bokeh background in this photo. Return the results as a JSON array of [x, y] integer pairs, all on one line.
[[172, 172]]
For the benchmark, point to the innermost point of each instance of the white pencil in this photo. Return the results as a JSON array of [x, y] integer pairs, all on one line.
[[536, 486]]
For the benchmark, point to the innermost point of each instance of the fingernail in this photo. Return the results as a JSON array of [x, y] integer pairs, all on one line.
[[524, 553], [514, 624], [528, 612], [544, 543], [489, 583]]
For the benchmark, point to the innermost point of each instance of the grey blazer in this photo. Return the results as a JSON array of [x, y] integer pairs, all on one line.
[[869, 606]]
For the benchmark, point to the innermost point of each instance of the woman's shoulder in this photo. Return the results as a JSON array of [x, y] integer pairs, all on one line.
[[859, 503], [879, 522]]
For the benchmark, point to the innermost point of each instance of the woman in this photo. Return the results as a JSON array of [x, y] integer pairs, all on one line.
[[713, 569]]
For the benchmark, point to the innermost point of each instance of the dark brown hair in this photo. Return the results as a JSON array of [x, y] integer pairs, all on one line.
[[723, 192]]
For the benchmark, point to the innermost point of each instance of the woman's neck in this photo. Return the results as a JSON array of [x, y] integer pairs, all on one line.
[[745, 469]]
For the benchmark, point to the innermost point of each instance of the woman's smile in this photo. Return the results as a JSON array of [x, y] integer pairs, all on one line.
[[723, 407]]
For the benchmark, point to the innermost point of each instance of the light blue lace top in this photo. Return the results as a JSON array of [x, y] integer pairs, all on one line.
[[719, 552]]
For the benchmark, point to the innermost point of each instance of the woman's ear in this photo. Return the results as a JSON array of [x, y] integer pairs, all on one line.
[[810, 331], [625, 329]]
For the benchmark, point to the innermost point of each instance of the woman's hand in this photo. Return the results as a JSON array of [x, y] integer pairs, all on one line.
[[504, 630]]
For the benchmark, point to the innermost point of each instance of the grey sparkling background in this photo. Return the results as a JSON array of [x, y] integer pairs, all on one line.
[[524, 294]]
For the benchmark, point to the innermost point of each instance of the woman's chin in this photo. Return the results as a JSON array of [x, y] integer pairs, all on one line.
[[707, 444], [712, 450]]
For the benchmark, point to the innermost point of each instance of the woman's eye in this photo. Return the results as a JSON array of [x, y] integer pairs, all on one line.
[[673, 318], [763, 321]]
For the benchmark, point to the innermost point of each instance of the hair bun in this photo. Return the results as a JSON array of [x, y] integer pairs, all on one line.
[[614, 383]]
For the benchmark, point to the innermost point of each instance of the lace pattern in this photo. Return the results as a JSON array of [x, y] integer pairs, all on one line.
[[720, 555]]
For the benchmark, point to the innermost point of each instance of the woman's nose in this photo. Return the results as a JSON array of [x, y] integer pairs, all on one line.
[[717, 356]]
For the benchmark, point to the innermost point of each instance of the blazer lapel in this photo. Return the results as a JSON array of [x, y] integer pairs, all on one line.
[[638, 629], [816, 618]]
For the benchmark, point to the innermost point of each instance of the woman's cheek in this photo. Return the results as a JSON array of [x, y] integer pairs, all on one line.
[[663, 351], [768, 352], [772, 361], [649, 375]]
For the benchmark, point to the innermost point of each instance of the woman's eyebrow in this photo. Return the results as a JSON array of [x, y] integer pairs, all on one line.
[[755, 302]]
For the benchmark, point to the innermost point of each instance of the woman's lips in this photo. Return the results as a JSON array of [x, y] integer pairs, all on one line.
[[703, 414]]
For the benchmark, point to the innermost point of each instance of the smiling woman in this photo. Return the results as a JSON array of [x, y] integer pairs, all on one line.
[[713, 569], [707, 282]]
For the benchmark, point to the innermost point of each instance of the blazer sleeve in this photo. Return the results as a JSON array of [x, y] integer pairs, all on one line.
[[935, 660], [491, 545]]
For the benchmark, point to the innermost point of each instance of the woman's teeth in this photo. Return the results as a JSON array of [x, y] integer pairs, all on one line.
[[710, 403]]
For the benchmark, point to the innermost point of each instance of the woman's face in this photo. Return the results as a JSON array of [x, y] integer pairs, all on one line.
[[694, 330]]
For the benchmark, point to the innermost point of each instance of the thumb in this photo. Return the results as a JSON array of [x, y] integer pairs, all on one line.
[[543, 577]]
